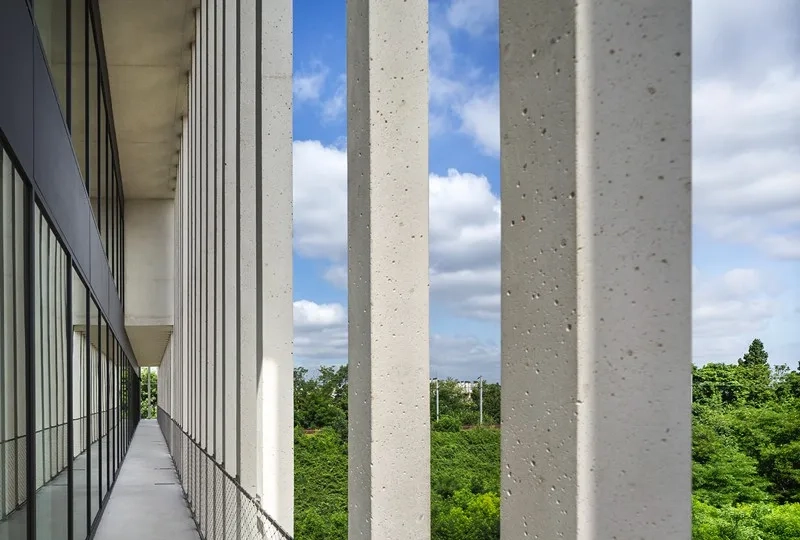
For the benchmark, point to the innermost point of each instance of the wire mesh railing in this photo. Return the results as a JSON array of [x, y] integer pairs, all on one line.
[[220, 507]]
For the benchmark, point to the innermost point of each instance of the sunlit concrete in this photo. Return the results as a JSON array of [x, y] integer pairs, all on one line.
[[149, 277], [388, 297], [595, 107], [147, 501]]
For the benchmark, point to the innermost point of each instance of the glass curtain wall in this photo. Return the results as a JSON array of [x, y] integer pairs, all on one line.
[[13, 377], [67, 390], [71, 36], [71, 373]]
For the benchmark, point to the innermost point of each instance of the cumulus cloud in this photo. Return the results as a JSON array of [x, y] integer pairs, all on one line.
[[746, 124], [463, 98], [464, 228], [729, 310], [321, 338], [320, 333], [480, 119]]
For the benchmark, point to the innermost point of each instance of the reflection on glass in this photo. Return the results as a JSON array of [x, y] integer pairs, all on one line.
[[80, 372], [50, 361], [103, 477], [93, 128], [94, 411], [13, 518], [78, 81], [102, 172], [51, 21]]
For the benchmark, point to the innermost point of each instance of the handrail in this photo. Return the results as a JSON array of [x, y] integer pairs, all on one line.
[[244, 524]]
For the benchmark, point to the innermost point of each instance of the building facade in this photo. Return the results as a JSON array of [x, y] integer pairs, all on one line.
[[147, 221]]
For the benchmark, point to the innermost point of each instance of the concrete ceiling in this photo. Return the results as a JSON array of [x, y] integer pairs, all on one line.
[[148, 49], [148, 53]]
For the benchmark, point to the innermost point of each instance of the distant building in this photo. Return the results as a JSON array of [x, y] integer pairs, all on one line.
[[466, 386]]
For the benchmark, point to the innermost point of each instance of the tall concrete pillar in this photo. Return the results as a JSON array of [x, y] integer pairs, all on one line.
[[276, 373], [230, 244], [596, 269], [389, 448], [219, 204], [248, 335]]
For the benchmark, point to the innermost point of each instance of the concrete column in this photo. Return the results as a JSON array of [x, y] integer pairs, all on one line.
[[230, 233], [219, 202], [389, 450], [249, 331], [596, 269], [276, 374], [183, 190], [202, 236]]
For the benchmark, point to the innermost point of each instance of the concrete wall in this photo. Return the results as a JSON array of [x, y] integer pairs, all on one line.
[[149, 256]]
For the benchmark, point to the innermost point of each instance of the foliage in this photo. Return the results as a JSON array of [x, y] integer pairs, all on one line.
[[321, 401], [447, 423], [745, 454], [465, 406], [149, 406], [320, 485]]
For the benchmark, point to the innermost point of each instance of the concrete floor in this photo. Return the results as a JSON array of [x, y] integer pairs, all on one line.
[[147, 500]]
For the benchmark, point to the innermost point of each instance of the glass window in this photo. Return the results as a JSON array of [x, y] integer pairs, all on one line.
[[92, 126], [101, 178], [94, 411], [50, 395], [51, 21], [103, 408], [78, 75], [80, 376], [13, 517]]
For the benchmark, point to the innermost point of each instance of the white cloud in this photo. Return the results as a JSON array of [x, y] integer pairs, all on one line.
[[334, 105], [480, 119], [746, 123], [464, 228], [462, 97], [321, 338], [320, 332], [320, 200], [308, 86], [476, 17], [729, 311]]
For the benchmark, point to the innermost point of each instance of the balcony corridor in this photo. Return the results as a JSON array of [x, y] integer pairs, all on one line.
[[147, 501]]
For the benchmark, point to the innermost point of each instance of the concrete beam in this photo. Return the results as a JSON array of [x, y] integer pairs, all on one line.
[[389, 450], [596, 269]]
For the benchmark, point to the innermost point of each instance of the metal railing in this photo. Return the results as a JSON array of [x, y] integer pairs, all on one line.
[[220, 507]]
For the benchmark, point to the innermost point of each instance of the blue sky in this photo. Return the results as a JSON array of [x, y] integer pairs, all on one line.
[[746, 132]]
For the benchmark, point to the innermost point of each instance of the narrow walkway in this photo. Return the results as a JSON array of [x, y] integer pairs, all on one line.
[[147, 501]]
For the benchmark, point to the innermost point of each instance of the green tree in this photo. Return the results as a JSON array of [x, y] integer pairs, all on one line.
[[491, 402], [756, 355], [453, 401], [321, 401]]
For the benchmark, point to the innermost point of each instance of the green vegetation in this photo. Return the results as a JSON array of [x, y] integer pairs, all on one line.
[[149, 407], [745, 450]]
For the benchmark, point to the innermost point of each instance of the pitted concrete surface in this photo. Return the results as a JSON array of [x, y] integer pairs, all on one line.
[[147, 501]]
